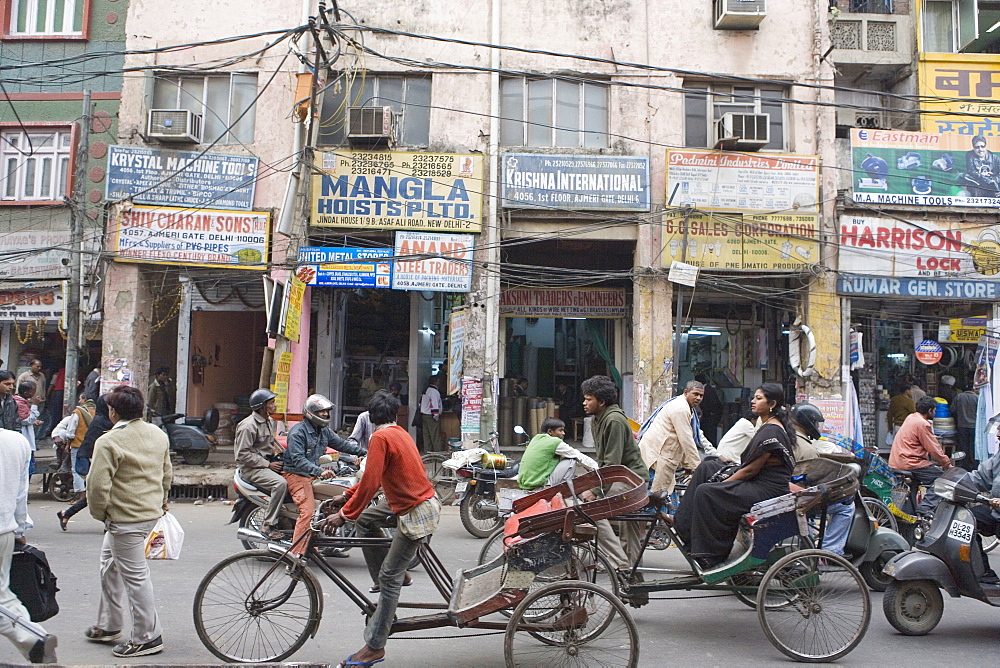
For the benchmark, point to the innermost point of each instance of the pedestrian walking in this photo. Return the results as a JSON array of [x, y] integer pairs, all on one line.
[[84, 454], [129, 480], [68, 435], [27, 413], [8, 407], [430, 413]]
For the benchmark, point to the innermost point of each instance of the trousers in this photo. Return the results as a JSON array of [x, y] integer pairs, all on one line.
[[18, 635], [625, 549], [125, 581], [275, 484], [301, 489]]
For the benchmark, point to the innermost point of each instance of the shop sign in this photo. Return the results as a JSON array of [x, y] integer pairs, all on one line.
[[181, 178], [282, 374], [683, 274], [963, 330], [456, 350], [833, 411], [576, 182], [728, 181], [345, 267], [961, 89], [928, 352], [38, 254], [40, 301], [291, 319], [472, 405], [733, 241], [891, 247], [383, 190], [925, 288], [203, 238], [921, 169], [569, 303], [986, 355], [433, 262]]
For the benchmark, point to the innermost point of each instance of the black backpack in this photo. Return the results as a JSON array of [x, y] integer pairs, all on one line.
[[33, 583]]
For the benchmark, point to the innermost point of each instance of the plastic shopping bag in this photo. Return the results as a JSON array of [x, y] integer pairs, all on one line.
[[166, 539]]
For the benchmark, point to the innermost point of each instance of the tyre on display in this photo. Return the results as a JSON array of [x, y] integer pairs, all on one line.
[[477, 521], [913, 607]]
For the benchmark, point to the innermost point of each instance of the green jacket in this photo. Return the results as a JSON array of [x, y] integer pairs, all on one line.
[[538, 462], [130, 474], [614, 442]]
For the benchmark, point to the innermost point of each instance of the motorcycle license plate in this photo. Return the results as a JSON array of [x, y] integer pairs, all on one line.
[[961, 531], [460, 487]]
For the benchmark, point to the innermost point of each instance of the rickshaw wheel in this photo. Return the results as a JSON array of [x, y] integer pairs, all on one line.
[[61, 486], [754, 578], [829, 608], [582, 624]]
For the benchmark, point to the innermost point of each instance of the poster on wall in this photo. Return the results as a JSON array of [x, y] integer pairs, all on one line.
[[472, 405], [765, 182], [201, 238], [959, 93], [345, 267], [456, 350], [577, 182], [388, 190], [282, 374], [757, 242], [833, 411], [433, 262], [291, 318], [922, 169]]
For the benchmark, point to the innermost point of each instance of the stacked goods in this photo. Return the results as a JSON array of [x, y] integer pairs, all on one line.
[[226, 431]]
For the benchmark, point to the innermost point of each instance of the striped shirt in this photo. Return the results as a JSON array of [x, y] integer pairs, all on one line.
[[394, 465]]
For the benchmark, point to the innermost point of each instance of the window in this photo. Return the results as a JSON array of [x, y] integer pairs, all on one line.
[[704, 104], [35, 164], [39, 18], [953, 26], [870, 6], [223, 100], [409, 98], [553, 112]]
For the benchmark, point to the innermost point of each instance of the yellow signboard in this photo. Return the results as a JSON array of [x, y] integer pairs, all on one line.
[[966, 330], [733, 241], [966, 85], [282, 374], [292, 320], [385, 190]]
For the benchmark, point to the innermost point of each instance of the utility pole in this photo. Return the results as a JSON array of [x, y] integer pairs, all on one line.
[[76, 249], [679, 310]]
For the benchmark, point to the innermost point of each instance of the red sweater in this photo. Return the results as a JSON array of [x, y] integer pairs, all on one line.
[[394, 465]]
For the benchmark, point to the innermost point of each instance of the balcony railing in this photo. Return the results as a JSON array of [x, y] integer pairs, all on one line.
[[869, 6]]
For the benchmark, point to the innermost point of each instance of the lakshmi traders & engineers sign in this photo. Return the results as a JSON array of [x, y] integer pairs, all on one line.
[[382, 190], [568, 303], [577, 182], [200, 237]]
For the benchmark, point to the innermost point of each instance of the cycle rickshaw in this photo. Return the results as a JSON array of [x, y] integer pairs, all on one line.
[[262, 605]]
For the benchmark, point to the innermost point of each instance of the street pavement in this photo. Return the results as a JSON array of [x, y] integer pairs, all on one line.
[[692, 628]]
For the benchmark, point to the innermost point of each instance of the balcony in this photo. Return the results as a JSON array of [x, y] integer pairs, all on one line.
[[875, 47]]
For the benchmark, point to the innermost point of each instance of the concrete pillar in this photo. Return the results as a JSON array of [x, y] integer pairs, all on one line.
[[183, 344], [128, 313], [298, 382], [652, 343]]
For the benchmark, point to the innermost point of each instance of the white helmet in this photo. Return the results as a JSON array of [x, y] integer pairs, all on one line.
[[317, 403]]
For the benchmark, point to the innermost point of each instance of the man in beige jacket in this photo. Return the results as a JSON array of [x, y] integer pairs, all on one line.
[[672, 437], [127, 489]]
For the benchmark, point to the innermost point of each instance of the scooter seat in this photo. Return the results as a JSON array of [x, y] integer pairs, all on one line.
[[906, 474]]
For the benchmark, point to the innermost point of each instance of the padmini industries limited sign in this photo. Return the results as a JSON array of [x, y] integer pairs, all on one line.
[[235, 239], [398, 191], [765, 182], [433, 262], [577, 182], [569, 303]]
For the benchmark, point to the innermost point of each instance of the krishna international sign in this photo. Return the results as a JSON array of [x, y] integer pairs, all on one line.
[[570, 303], [577, 182], [383, 190]]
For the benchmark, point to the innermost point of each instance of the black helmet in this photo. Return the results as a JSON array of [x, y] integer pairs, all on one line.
[[260, 397], [809, 418]]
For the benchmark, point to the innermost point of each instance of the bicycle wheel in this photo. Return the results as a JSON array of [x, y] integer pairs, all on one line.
[[881, 513], [755, 576], [256, 606], [493, 547], [584, 625], [443, 479], [253, 519], [61, 486], [990, 543], [829, 609]]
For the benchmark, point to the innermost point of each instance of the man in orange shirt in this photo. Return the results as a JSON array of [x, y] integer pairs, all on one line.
[[914, 442]]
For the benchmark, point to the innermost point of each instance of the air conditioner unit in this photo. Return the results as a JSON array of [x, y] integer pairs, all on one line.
[[174, 125], [743, 132], [861, 118], [739, 14], [372, 127]]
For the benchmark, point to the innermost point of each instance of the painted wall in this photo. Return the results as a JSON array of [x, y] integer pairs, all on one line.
[[229, 372]]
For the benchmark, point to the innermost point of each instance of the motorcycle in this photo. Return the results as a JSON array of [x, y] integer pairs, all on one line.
[[947, 556], [194, 439], [906, 497], [477, 483]]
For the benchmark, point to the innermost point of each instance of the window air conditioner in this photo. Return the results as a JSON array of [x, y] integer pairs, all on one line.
[[742, 132], [371, 127], [862, 118], [174, 125], [739, 14]]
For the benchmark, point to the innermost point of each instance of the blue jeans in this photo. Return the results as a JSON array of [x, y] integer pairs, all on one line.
[[838, 525], [79, 484]]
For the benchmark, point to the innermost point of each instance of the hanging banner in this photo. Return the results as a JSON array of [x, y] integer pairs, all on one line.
[[200, 238], [920, 169], [433, 262], [986, 354], [765, 182], [282, 374], [291, 318], [456, 350], [386, 190], [568, 303], [577, 182], [472, 405], [961, 88], [757, 242], [345, 267]]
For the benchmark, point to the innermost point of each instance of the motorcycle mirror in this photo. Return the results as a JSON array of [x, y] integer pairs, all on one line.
[[325, 459], [518, 429], [958, 456]]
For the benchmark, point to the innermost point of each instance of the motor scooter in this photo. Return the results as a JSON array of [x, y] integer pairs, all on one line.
[[948, 556], [193, 439], [476, 487]]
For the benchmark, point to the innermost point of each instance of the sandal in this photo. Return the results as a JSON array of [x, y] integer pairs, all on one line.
[[349, 661], [376, 589], [63, 520], [97, 634]]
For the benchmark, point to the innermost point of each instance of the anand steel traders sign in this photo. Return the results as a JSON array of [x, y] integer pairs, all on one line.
[[578, 182], [890, 247], [236, 239], [769, 183], [398, 191], [572, 303], [181, 178], [433, 262], [919, 169]]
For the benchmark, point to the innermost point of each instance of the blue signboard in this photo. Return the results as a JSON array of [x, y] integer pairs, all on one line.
[[345, 267], [575, 182], [926, 288], [181, 178]]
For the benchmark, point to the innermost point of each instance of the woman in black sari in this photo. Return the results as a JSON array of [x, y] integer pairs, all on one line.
[[709, 514]]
